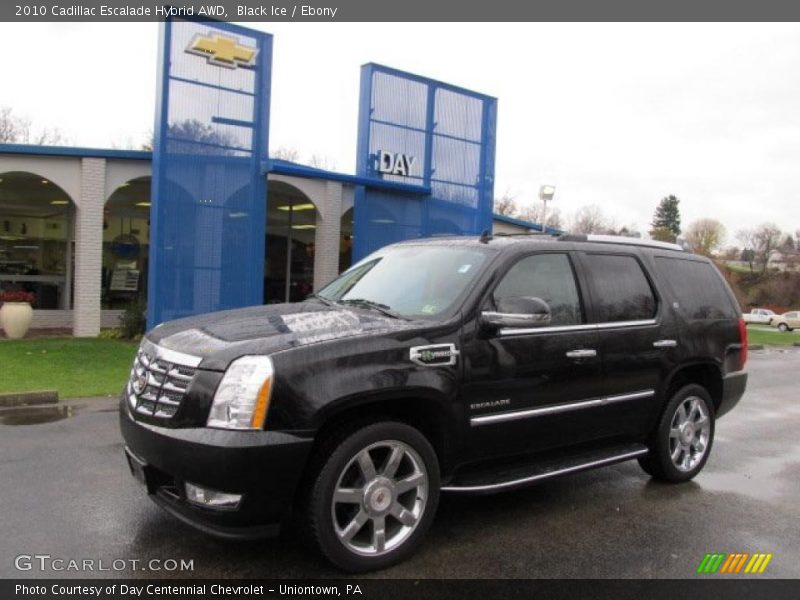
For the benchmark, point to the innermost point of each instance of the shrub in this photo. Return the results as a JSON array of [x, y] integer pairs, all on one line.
[[110, 334], [133, 322], [18, 296]]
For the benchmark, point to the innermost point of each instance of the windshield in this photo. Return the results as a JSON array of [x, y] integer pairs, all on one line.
[[411, 281]]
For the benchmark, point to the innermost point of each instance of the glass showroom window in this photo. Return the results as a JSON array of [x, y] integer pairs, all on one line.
[[36, 241], [126, 237], [291, 229]]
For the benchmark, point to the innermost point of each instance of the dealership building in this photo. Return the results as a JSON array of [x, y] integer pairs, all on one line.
[[208, 221]]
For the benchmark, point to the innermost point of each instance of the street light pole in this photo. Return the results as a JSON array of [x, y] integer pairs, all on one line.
[[546, 192]]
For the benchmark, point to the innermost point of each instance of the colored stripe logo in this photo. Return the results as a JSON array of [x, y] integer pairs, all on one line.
[[734, 563]]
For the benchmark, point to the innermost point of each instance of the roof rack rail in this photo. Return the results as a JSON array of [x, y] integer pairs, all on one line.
[[525, 233], [620, 239]]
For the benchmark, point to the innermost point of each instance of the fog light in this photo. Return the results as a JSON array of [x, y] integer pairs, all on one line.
[[211, 498]]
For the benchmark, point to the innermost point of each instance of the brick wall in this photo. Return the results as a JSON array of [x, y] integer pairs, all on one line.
[[89, 248], [327, 234]]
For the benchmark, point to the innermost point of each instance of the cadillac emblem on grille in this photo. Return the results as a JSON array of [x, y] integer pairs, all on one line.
[[159, 380]]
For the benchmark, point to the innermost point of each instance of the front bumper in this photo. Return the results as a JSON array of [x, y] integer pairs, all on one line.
[[733, 386], [264, 466]]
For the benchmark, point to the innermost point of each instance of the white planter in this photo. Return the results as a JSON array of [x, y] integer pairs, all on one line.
[[15, 317]]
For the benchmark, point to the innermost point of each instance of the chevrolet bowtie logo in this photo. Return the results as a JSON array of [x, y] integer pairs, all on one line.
[[222, 51]]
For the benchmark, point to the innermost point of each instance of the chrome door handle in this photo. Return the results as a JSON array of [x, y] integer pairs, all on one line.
[[665, 344], [581, 353]]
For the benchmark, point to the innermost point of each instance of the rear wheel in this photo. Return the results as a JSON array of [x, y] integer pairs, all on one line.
[[682, 442], [374, 497]]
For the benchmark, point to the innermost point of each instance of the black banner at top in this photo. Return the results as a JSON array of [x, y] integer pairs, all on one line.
[[403, 10]]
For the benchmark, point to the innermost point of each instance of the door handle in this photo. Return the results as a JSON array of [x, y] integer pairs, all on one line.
[[665, 344], [588, 353]]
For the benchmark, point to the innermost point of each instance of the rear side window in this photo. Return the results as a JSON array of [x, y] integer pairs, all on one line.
[[548, 277], [699, 288], [620, 289]]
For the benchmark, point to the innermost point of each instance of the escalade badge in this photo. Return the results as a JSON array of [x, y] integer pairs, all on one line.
[[222, 50], [437, 355]]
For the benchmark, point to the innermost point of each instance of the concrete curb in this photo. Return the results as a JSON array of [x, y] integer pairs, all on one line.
[[755, 346], [28, 398]]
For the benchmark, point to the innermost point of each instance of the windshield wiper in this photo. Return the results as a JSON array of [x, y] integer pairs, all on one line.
[[382, 308]]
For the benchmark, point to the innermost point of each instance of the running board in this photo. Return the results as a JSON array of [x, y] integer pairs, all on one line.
[[499, 480]]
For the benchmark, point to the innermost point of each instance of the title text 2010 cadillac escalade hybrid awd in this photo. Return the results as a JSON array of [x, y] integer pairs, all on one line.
[[445, 365]]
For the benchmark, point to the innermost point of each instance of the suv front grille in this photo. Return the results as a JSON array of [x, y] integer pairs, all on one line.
[[158, 384]]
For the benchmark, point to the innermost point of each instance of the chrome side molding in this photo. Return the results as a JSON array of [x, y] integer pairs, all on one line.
[[557, 408], [510, 331]]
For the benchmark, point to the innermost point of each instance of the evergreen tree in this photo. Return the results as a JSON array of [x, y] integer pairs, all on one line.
[[666, 220]]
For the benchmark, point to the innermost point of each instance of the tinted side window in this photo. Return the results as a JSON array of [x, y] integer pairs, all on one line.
[[699, 288], [549, 277], [621, 291]]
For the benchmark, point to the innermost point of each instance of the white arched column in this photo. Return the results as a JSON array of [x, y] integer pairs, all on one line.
[[327, 235], [89, 248]]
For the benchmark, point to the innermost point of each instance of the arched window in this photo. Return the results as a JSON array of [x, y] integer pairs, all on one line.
[[36, 239], [126, 244], [291, 231]]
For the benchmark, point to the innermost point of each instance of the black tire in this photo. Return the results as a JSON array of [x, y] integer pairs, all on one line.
[[783, 327], [338, 460], [664, 445]]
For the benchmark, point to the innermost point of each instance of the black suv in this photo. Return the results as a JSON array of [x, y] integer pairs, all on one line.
[[446, 365]]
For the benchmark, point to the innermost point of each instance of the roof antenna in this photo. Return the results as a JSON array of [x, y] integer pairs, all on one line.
[[486, 237]]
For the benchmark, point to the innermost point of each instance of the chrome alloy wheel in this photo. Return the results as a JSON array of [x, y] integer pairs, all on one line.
[[690, 430], [379, 498]]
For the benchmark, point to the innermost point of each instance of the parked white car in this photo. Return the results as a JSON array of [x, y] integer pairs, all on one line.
[[759, 315]]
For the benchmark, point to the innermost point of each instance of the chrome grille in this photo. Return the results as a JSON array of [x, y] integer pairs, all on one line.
[[162, 380]]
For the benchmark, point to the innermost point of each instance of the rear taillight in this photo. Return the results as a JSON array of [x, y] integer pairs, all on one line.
[[743, 341]]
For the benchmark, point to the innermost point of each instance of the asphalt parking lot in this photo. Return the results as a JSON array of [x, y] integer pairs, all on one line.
[[65, 491]]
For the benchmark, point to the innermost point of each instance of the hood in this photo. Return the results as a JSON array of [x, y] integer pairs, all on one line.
[[271, 328]]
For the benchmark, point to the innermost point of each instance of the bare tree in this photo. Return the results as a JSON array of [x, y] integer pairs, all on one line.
[[747, 237], [589, 219], [319, 161], [506, 205], [284, 153], [18, 130], [767, 238], [759, 243], [705, 236], [535, 212]]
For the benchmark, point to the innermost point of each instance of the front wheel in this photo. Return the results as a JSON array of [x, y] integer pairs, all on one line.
[[680, 446], [374, 497], [783, 327]]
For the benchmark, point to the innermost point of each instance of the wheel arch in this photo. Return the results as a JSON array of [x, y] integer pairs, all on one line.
[[705, 373], [425, 410]]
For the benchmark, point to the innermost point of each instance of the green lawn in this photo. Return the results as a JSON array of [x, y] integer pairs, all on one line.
[[73, 366], [771, 337]]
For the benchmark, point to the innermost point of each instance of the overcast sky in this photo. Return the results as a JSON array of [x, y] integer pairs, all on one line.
[[613, 115]]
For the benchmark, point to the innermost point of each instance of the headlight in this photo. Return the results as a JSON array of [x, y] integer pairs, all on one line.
[[242, 397]]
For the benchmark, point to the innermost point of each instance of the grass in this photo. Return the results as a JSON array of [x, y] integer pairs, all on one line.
[[771, 337], [73, 366], [99, 367]]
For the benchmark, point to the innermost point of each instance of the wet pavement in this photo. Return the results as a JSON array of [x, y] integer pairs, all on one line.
[[65, 491]]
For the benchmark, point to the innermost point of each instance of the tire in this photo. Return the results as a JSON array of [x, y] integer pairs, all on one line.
[[679, 452], [349, 500], [783, 327]]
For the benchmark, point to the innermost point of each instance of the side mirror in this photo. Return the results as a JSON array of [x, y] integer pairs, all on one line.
[[520, 311]]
